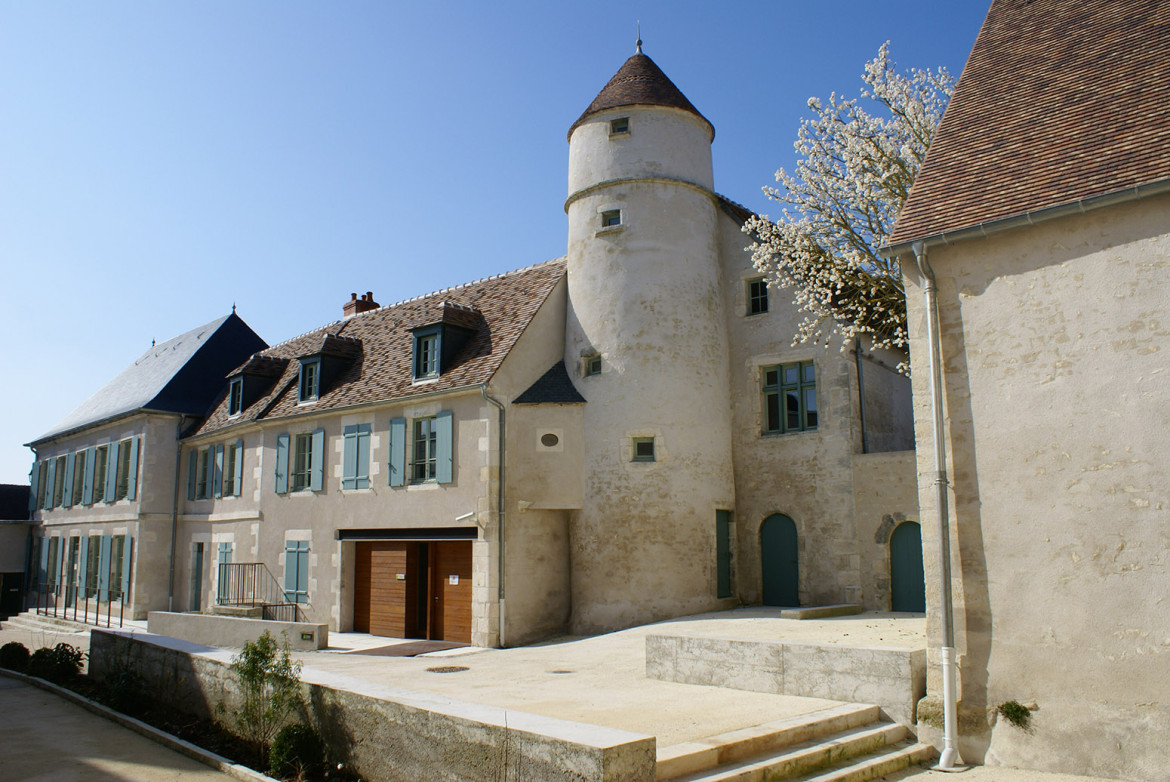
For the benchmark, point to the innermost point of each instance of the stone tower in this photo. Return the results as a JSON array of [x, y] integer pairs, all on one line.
[[646, 341]]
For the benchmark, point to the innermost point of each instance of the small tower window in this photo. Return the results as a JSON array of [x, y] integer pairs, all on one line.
[[619, 126], [643, 449], [592, 365], [611, 218]]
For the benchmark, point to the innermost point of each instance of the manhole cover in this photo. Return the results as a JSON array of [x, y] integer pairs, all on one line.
[[448, 668]]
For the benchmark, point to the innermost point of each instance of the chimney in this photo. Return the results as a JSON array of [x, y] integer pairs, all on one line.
[[356, 306]]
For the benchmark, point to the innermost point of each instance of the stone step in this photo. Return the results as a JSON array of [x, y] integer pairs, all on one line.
[[822, 612], [32, 622], [805, 758], [689, 757], [893, 759]]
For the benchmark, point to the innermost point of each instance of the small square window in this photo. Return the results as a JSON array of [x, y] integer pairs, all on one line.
[[619, 125], [643, 449], [310, 386], [611, 218], [236, 396], [592, 365], [757, 296]]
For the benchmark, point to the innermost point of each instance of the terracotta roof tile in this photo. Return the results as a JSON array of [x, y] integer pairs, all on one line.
[[639, 82], [381, 346], [1059, 101]]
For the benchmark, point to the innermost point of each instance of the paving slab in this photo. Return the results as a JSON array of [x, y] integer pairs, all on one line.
[[48, 738]]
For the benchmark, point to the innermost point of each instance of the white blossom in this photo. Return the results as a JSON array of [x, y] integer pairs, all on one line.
[[838, 207]]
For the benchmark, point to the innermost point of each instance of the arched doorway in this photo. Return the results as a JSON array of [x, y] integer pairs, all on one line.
[[779, 561], [907, 582]]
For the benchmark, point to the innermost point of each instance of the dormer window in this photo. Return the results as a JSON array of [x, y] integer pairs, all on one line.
[[619, 126], [236, 396], [426, 354], [310, 383]]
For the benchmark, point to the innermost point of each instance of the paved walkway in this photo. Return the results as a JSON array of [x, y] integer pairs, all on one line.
[[45, 737]]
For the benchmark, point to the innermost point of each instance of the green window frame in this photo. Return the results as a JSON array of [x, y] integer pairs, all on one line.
[[757, 296], [644, 449], [592, 365], [309, 383], [790, 398], [427, 347]]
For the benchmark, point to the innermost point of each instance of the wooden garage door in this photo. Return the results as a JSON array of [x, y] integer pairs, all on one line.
[[386, 589], [451, 587]]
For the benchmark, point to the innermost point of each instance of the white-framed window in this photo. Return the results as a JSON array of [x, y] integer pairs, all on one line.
[[427, 345], [301, 474], [424, 453]]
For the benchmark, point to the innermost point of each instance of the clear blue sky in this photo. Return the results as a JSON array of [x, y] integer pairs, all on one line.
[[160, 161]]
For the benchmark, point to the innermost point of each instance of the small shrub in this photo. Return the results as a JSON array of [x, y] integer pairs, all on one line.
[[270, 691], [124, 690], [297, 752], [14, 656], [60, 665], [1016, 714]]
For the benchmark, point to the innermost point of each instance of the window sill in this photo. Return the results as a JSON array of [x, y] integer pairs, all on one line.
[[424, 380], [610, 229], [788, 434], [423, 486]]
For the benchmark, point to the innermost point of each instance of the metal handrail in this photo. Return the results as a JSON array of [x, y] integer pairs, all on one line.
[[252, 584]]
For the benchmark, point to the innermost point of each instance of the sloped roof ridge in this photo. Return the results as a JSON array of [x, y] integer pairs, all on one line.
[[412, 299]]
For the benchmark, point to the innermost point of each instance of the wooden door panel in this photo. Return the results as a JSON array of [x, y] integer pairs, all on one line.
[[451, 588], [386, 589]]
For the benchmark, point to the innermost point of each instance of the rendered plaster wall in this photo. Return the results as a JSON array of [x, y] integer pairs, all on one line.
[[889, 408], [806, 476], [646, 296], [390, 735], [885, 494], [1058, 407], [233, 632], [14, 538], [538, 579], [146, 519]]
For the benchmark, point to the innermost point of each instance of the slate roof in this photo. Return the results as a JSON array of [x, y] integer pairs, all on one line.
[[640, 82], [553, 387], [181, 375], [503, 306], [1059, 101]]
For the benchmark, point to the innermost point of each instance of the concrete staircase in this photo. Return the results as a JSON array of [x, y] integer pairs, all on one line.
[[31, 621], [846, 743]]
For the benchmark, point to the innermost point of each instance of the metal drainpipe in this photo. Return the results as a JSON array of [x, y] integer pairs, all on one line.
[[175, 513], [861, 396], [949, 760], [499, 506]]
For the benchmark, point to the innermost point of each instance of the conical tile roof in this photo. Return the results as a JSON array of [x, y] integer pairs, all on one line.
[[640, 83]]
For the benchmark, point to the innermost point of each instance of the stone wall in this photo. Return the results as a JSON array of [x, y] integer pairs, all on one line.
[[392, 735]]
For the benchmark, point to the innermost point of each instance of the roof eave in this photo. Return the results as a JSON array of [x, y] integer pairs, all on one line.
[[1033, 217]]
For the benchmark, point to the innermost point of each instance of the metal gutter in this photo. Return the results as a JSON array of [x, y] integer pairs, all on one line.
[[1024, 219]]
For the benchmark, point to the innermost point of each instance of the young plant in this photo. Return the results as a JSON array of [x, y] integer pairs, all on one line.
[[1017, 714], [270, 691]]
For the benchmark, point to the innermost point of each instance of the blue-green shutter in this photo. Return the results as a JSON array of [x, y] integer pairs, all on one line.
[[87, 478], [282, 464], [192, 472], [363, 456], [82, 564], [126, 549], [238, 469], [217, 476], [444, 452], [296, 571], [34, 476], [103, 582], [223, 581], [317, 478], [67, 495], [111, 471], [50, 484], [43, 573], [398, 452], [132, 488], [349, 457]]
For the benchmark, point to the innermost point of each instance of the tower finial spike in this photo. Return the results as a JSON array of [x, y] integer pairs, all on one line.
[[638, 46]]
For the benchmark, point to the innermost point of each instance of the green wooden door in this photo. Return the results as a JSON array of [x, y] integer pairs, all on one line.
[[779, 561], [907, 582]]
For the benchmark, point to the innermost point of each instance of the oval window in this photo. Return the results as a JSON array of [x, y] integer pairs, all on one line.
[[549, 440]]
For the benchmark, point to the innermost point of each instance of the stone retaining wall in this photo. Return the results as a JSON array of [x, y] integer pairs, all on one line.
[[893, 678], [391, 735], [234, 631]]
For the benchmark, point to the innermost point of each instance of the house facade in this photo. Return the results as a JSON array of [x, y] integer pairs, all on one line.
[[1040, 226], [614, 437], [100, 494]]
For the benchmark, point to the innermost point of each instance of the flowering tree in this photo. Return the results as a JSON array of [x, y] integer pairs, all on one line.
[[853, 175]]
